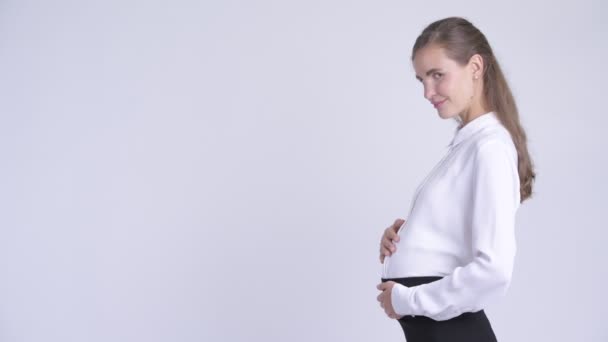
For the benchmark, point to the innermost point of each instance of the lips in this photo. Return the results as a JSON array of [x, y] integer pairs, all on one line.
[[437, 104]]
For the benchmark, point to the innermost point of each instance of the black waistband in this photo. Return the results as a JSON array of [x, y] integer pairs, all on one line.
[[413, 281]]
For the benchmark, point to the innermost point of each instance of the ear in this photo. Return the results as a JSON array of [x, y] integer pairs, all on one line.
[[476, 65]]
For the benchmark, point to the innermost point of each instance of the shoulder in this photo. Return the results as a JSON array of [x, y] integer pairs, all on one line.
[[495, 164], [494, 143]]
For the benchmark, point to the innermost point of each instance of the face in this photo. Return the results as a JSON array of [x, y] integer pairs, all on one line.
[[451, 88]]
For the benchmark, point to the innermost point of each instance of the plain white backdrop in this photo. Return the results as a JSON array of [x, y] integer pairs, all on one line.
[[223, 170]]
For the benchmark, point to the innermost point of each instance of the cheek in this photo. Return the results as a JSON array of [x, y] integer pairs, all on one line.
[[457, 90], [446, 89]]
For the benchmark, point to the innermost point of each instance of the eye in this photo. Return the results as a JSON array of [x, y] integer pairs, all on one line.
[[437, 75]]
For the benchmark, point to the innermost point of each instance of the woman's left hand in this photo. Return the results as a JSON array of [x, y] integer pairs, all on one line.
[[385, 299]]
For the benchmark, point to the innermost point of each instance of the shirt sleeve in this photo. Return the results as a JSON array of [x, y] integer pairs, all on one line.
[[494, 200]]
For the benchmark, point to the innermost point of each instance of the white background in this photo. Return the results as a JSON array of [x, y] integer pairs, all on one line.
[[223, 171]]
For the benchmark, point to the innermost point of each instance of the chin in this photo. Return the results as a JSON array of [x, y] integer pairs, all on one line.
[[446, 115]]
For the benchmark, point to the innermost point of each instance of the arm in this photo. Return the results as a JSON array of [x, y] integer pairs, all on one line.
[[494, 202]]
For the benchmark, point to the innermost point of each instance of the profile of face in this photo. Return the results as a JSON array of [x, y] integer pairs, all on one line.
[[451, 88]]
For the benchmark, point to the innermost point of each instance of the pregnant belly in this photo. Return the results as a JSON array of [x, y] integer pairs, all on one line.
[[411, 261]]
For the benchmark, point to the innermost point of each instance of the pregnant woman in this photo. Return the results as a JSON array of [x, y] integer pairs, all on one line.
[[456, 250]]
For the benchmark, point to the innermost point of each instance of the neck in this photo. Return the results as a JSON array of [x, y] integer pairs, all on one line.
[[469, 115], [478, 106]]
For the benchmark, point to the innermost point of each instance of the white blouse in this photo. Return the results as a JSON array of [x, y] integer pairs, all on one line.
[[461, 226]]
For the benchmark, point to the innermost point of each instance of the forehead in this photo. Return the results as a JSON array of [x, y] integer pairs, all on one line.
[[431, 57]]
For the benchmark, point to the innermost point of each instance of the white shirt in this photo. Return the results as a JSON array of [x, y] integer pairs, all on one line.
[[460, 226]]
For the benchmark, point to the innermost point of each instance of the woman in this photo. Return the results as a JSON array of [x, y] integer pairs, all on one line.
[[456, 250]]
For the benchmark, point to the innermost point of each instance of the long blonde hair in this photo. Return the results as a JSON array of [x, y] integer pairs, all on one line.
[[461, 40]]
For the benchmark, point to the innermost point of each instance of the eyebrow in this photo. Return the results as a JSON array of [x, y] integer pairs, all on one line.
[[427, 73]]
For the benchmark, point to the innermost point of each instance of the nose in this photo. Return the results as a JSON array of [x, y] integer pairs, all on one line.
[[429, 92]]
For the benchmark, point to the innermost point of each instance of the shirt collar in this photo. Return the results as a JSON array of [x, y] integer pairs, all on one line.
[[474, 126]]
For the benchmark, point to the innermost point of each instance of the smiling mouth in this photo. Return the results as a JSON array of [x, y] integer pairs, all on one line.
[[437, 104]]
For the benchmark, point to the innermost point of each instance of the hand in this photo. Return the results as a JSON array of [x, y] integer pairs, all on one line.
[[385, 299], [387, 246]]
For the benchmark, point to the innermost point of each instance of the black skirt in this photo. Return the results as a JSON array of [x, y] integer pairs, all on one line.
[[468, 327]]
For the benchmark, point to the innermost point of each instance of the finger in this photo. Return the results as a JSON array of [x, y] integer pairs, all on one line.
[[398, 223], [388, 247], [385, 248], [382, 249], [392, 235]]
